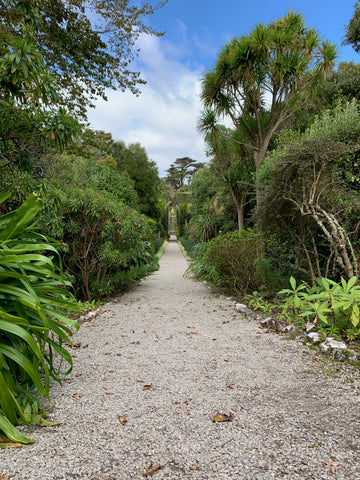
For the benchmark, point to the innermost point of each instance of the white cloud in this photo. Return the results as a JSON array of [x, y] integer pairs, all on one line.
[[164, 117]]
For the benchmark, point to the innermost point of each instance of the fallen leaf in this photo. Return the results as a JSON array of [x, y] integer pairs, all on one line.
[[317, 359], [231, 387], [146, 387], [151, 470], [109, 393], [42, 422], [222, 417], [9, 445], [85, 346], [118, 354], [194, 468], [76, 345], [122, 419], [333, 464], [77, 395], [227, 360], [77, 374]]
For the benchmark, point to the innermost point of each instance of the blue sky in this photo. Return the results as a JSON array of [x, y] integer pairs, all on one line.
[[163, 119]]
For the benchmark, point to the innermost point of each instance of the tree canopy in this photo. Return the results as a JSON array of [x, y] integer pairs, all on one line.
[[181, 171], [352, 36], [88, 45]]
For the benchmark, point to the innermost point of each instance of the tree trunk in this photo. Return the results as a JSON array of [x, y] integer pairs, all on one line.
[[240, 215], [258, 157], [239, 206], [338, 239]]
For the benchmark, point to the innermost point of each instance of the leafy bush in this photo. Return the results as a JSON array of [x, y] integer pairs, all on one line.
[[309, 186], [200, 268], [234, 262], [189, 245], [33, 328], [158, 243], [105, 238], [233, 257], [333, 306]]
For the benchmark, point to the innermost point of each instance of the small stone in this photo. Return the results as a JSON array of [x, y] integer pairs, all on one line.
[[314, 338], [280, 325], [339, 354], [335, 344], [310, 327], [240, 307], [295, 334], [269, 322], [335, 348], [288, 328]]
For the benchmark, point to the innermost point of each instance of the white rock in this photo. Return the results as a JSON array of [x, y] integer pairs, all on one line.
[[240, 307], [310, 327], [335, 344], [314, 337]]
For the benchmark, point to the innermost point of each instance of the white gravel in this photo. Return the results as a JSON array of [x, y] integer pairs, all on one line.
[[295, 415]]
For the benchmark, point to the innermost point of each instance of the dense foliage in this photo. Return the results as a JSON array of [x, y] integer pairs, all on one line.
[[310, 193], [88, 45], [33, 328], [233, 262]]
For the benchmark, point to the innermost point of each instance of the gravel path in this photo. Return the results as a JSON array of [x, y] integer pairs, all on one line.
[[295, 415]]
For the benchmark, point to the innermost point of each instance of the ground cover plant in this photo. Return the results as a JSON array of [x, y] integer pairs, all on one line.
[[332, 306]]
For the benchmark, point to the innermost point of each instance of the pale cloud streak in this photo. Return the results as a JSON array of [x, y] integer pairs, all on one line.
[[164, 117]]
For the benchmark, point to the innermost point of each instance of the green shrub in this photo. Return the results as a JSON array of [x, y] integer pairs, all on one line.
[[158, 243], [105, 238], [233, 257], [200, 268], [33, 328], [188, 244], [332, 306], [234, 262]]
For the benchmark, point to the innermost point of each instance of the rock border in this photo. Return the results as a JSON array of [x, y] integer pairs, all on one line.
[[329, 346]]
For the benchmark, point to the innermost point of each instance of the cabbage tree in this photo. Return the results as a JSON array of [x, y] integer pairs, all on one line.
[[261, 79]]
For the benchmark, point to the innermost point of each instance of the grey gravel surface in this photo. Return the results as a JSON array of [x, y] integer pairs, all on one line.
[[295, 415]]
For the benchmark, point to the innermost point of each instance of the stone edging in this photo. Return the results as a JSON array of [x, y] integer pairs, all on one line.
[[337, 350]]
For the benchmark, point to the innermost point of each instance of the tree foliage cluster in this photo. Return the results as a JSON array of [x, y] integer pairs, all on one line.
[[87, 45], [95, 182]]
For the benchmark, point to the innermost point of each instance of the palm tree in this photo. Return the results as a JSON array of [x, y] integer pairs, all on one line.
[[262, 79], [230, 161]]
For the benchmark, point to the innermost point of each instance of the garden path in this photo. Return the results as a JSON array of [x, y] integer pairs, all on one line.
[[154, 368]]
